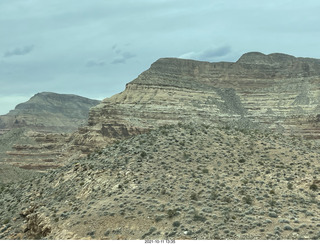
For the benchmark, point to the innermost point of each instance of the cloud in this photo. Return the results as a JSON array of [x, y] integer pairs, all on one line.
[[95, 63], [122, 57], [19, 51], [214, 53], [209, 54]]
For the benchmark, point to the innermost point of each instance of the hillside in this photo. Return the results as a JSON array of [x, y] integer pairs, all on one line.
[[188, 181]]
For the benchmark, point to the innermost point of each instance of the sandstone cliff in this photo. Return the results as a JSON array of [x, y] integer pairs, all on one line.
[[277, 92]]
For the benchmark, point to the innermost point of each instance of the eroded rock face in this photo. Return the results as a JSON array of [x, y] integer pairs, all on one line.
[[276, 91]]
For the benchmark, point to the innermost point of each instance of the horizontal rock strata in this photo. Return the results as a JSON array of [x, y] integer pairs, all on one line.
[[276, 91]]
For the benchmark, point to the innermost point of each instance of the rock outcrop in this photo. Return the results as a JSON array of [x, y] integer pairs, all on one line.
[[276, 92]]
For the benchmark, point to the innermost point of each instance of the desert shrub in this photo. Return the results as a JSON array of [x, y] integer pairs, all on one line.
[[198, 217], [176, 224], [290, 186], [272, 192], [245, 181], [242, 160], [194, 196], [227, 199], [248, 199], [158, 218], [313, 187], [143, 154], [205, 171], [172, 213], [272, 202], [214, 195], [186, 155]]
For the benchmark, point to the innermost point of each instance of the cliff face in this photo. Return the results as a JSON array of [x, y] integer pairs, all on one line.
[[276, 91]]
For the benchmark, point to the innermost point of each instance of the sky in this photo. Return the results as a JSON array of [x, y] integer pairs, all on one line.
[[92, 48]]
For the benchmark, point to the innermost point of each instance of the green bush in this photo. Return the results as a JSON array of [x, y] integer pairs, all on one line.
[[214, 195], [198, 217], [247, 199], [313, 187], [158, 218], [172, 213], [205, 171], [143, 154], [176, 224], [194, 196], [242, 160], [272, 192]]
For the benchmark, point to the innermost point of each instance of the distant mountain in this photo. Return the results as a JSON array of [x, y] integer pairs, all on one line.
[[49, 111]]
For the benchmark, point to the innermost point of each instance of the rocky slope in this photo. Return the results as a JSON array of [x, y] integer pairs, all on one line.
[[177, 182], [276, 92]]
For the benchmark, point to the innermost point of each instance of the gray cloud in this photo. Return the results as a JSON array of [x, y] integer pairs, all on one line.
[[214, 53], [95, 63], [122, 57], [19, 51]]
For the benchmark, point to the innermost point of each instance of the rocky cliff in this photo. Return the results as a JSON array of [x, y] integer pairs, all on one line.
[[275, 92]]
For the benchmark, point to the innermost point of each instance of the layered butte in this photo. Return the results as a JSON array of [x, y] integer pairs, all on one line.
[[277, 92]]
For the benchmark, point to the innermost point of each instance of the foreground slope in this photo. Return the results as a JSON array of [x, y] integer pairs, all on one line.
[[176, 182]]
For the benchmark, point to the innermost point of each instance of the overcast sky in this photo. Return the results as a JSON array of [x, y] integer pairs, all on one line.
[[93, 48]]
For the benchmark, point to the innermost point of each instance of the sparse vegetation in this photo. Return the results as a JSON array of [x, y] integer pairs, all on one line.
[[201, 192]]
